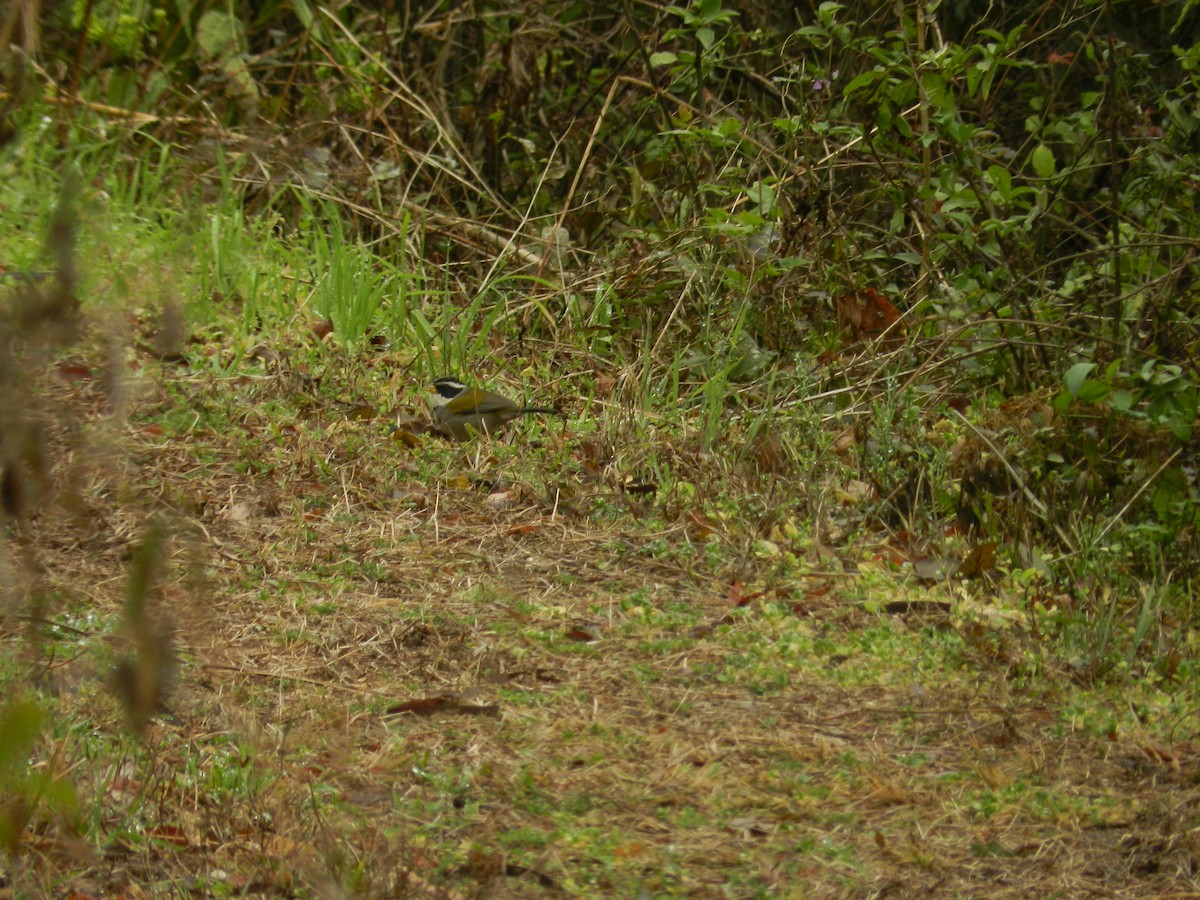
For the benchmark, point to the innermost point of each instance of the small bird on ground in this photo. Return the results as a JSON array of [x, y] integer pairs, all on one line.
[[459, 410]]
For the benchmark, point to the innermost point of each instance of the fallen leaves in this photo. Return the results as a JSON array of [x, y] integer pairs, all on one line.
[[868, 315], [444, 703], [980, 561]]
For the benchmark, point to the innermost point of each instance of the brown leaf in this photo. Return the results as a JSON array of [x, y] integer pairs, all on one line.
[[427, 706], [406, 437], [526, 528], [1160, 753], [499, 500], [69, 372], [423, 707], [868, 314], [593, 456], [751, 827], [240, 512], [981, 559]]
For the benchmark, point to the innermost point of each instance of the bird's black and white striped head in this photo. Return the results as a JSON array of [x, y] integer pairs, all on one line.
[[445, 389]]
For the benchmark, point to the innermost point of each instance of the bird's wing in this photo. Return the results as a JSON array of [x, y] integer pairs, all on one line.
[[493, 404]]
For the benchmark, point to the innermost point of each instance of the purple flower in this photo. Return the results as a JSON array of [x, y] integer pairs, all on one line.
[[824, 84]]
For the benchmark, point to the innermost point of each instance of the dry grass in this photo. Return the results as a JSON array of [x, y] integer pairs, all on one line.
[[421, 672]]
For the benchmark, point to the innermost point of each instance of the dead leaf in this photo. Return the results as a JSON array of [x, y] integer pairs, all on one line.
[[737, 599], [981, 559], [499, 500], [406, 437], [845, 441], [69, 372], [867, 314], [1163, 754], [751, 827], [427, 706], [241, 512]]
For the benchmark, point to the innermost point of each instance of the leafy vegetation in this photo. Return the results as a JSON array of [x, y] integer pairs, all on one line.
[[871, 503]]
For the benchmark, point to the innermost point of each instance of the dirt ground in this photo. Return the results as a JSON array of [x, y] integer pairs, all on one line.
[[381, 683]]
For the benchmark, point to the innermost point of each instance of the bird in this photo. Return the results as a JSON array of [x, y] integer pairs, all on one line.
[[459, 410]]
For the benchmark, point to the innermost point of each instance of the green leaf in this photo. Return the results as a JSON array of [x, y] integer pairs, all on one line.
[[828, 11], [1042, 160], [706, 37], [303, 12], [988, 80], [937, 89], [1181, 430], [663, 58], [1076, 376], [1000, 180], [865, 80], [219, 35], [1121, 400], [1093, 391]]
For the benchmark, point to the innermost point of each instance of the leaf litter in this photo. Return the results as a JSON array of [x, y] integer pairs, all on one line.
[[472, 697]]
